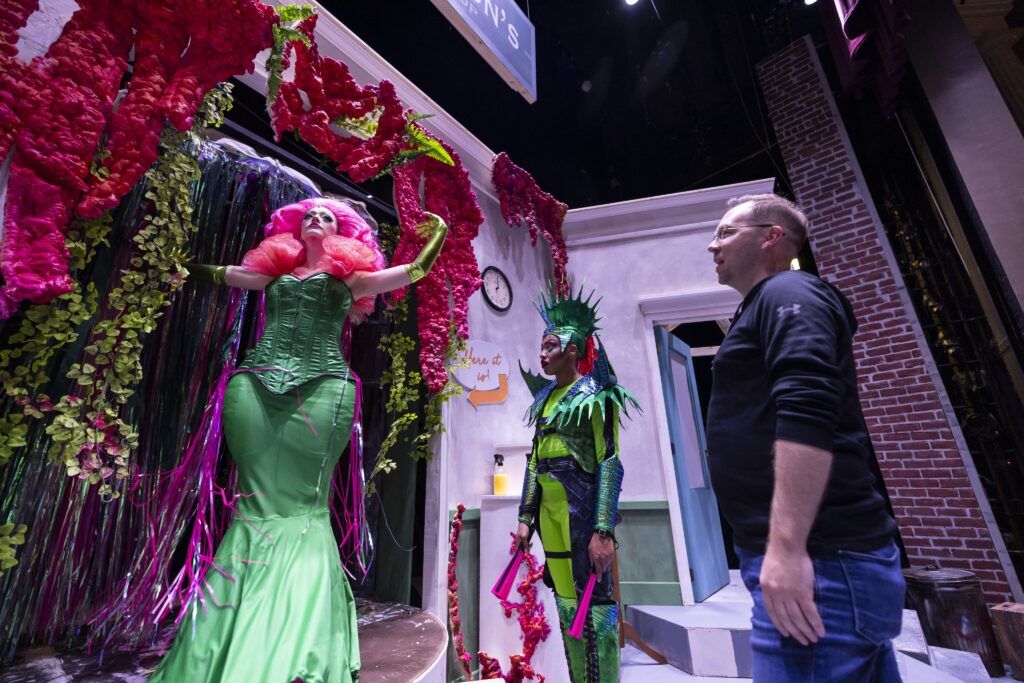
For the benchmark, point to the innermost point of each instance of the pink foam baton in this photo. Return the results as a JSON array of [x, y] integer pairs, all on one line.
[[503, 586], [581, 612]]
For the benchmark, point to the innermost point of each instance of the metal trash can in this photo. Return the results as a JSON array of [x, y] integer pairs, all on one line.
[[953, 613]]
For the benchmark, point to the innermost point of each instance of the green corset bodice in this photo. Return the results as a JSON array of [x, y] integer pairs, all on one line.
[[302, 339]]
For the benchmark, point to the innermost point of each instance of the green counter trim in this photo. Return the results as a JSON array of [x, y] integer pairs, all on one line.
[[643, 505], [651, 593]]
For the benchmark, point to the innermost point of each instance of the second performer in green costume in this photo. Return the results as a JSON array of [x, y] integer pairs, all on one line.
[[573, 479]]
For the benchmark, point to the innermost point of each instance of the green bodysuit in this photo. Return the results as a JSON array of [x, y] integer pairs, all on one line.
[[571, 490], [278, 606]]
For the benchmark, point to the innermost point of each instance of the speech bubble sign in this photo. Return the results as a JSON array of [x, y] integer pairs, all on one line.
[[483, 363]]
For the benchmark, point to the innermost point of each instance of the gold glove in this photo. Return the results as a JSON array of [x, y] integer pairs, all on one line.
[[422, 264]]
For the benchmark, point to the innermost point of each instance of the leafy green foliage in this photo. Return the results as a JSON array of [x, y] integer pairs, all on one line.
[[10, 537], [45, 330], [285, 33], [426, 144], [418, 144], [365, 127], [89, 433], [403, 387], [292, 14]]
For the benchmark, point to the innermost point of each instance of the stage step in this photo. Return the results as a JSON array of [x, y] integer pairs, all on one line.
[[711, 641]]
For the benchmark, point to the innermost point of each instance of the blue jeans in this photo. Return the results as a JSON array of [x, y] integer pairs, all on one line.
[[860, 598]]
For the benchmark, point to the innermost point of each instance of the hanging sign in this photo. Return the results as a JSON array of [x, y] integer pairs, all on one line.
[[502, 34], [484, 371]]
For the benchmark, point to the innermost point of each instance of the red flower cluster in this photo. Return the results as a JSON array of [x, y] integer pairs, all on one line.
[[55, 110], [14, 16], [454, 621], [183, 48], [333, 94], [447, 193], [518, 669], [522, 201], [533, 624]]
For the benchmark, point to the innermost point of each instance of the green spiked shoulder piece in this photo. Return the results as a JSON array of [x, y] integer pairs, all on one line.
[[591, 392]]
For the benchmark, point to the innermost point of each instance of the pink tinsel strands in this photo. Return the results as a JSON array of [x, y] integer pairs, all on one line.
[[447, 193], [454, 621], [522, 201], [54, 111], [186, 497], [333, 94]]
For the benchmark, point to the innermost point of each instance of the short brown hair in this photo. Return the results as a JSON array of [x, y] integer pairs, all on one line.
[[777, 210]]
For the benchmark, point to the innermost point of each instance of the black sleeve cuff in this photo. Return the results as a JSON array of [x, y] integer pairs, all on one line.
[[805, 433]]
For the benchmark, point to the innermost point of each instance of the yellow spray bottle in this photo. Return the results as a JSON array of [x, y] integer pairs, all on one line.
[[500, 478]]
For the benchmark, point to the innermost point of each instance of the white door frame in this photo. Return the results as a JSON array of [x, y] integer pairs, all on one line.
[[674, 309]]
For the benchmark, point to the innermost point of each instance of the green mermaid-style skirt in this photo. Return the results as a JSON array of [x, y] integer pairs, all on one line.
[[278, 607]]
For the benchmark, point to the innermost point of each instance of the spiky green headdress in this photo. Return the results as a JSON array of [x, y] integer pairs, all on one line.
[[572, 319]]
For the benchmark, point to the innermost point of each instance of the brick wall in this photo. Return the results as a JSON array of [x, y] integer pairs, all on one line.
[[914, 433]]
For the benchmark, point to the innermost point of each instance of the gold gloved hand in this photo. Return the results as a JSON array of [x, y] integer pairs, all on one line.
[[423, 262]]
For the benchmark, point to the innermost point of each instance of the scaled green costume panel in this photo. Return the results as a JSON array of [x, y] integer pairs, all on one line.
[[278, 604], [567, 501], [594, 658]]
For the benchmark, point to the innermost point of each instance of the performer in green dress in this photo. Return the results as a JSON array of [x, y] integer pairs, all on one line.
[[573, 478], [277, 606]]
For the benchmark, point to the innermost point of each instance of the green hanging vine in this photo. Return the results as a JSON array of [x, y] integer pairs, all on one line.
[[285, 32], [44, 330], [10, 537], [89, 435], [405, 386]]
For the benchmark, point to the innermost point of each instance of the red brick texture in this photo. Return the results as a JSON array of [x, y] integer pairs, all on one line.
[[938, 512]]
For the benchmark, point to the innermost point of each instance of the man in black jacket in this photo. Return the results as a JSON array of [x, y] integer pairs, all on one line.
[[788, 452]]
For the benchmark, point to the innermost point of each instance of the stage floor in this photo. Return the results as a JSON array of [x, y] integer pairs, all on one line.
[[397, 644]]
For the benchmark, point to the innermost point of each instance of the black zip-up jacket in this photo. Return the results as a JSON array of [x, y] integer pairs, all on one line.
[[786, 371]]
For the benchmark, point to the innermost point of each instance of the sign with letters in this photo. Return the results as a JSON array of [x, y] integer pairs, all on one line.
[[502, 34], [484, 370]]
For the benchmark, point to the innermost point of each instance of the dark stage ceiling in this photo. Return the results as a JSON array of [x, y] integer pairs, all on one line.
[[633, 101]]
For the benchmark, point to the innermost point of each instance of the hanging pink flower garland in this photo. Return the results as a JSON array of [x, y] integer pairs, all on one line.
[[522, 201], [447, 193], [54, 111], [333, 94], [182, 50]]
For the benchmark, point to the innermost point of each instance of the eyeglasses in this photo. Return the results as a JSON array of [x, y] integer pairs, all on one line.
[[724, 231]]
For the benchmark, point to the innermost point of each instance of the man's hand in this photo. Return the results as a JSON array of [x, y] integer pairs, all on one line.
[[523, 538], [601, 550], [787, 584]]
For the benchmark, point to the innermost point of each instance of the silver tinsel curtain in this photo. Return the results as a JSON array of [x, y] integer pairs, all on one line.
[[78, 547]]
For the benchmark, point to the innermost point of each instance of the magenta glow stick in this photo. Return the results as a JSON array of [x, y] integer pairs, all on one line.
[[503, 586], [581, 612]]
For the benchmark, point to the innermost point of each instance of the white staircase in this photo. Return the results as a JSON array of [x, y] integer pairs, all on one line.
[[711, 642]]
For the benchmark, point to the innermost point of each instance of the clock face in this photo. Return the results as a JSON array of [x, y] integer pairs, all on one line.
[[496, 289]]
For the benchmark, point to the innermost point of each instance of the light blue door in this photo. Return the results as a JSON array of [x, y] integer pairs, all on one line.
[[709, 569]]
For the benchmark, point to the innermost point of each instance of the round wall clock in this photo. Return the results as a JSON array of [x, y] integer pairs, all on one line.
[[496, 289]]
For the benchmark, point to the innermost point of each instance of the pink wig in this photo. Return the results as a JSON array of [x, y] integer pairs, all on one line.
[[353, 249], [351, 223]]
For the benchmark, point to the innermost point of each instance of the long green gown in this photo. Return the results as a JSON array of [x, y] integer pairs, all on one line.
[[278, 607]]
